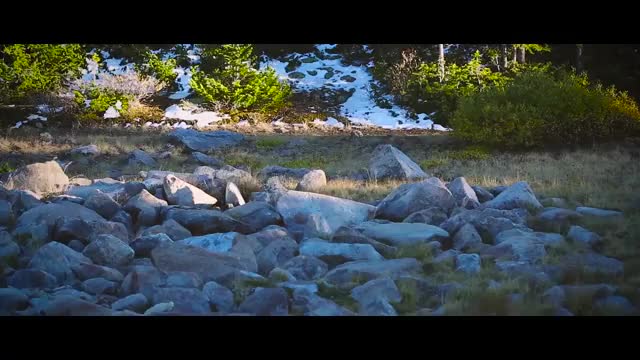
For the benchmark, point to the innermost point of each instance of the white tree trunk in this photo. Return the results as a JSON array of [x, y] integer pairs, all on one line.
[[441, 62]]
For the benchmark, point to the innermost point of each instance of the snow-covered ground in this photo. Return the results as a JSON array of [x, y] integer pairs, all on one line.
[[312, 74], [360, 108]]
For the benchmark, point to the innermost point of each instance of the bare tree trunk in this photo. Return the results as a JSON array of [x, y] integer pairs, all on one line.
[[441, 62], [521, 55], [515, 55], [505, 57], [579, 48]]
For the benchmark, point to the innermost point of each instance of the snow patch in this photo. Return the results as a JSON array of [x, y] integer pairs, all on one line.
[[36, 117], [111, 113], [202, 118], [359, 108]]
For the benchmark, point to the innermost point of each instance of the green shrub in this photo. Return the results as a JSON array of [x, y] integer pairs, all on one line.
[[539, 108], [156, 67], [433, 95], [34, 69], [227, 76], [5, 167], [269, 143], [470, 153], [101, 100]]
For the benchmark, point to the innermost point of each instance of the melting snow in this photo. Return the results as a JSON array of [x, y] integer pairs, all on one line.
[[202, 118], [36, 117], [111, 113], [360, 108]]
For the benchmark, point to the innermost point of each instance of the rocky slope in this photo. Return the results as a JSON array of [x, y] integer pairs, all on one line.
[[192, 243]]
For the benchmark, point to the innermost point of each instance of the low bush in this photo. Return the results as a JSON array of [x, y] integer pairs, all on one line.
[[227, 76], [539, 108]]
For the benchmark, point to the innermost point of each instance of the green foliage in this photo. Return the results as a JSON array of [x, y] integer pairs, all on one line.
[[442, 97], [471, 153], [33, 69], [156, 67], [5, 167], [269, 143], [432, 163], [227, 76], [101, 100], [538, 108]]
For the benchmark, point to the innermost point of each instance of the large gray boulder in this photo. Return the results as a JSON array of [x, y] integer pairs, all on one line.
[[463, 193], [388, 162], [145, 208], [266, 302], [138, 156], [431, 216], [171, 228], [102, 204], [208, 265], [312, 181], [402, 234], [409, 198], [185, 300], [84, 271], [369, 270], [478, 218], [179, 192], [337, 253], [143, 245], [375, 296], [207, 160], [135, 302], [257, 214], [518, 195], [205, 142], [275, 254], [296, 205], [280, 171], [41, 178], [352, 236], [48, 214], [219, 297], [595, 212], [12, 300], [58, 260], [32, 279], [304, 267], [109, 251], [466, 237], [580, 235], [201, 221], [310, 304], [9, 250]]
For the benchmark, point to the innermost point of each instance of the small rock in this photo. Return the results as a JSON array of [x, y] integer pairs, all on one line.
[[160, 308], [12, 300], [266, 302], [276, 254], [103, 204], [219, 297], [99, 286], [32, 279], [136, 302], [171, 228], [463, 193], [307, 268], [466, 238], [232, 196], [145, 208], [389, 162], [141, 157], [589, 211], [580, 235], [143, 245], [206, 160], [179, 192], [312, 181], [185, 300], [279, 275], [615, 305], [109, 251], [518, 195], [91, 150], [90, 271], [431, 216], [482, 194], [468, 263]]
